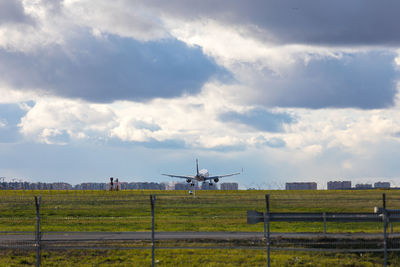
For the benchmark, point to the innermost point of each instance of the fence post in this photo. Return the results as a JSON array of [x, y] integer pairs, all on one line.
[[152, 202], [266, 221], [38, 234], [324, 217], [384, 229]]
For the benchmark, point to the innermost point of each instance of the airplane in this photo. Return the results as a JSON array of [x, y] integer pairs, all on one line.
[[201, 176]]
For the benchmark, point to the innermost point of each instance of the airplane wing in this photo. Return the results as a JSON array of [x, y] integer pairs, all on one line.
[[221, 176], [179, 176]]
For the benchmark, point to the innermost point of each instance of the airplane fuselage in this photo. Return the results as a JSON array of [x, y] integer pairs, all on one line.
[[203, 174]]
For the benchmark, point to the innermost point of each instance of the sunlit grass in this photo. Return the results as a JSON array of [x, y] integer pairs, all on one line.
[[191, 257], [177, 211], [129, 210]]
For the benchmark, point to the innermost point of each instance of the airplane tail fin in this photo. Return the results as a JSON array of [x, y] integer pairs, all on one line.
[[197, 166]]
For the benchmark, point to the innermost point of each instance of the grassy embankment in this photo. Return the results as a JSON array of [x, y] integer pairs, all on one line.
[[178, 211]]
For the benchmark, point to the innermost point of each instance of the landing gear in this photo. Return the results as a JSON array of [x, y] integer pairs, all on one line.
[[192, 190]]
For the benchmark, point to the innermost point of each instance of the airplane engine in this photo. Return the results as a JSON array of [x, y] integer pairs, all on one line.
[[188, 180], [216, 180]]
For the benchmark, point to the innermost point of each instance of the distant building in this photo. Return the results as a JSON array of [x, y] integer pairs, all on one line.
[[229, 186], [207, 186], [163, 186], [183, 186], [363, 186], [301, 186], [382, 185], [339, 185], [34, 186], [91, 186], [170, 186], [62, 186], [146, 185], [123, 185], [42, 186], [82, 186]]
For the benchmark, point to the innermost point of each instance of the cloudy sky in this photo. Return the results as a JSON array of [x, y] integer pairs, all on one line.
[[286, 90]]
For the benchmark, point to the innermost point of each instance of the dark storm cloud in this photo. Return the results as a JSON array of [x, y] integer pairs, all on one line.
[[260, 119], [10, 116], [360, 80], [113, 68], [339, 22], [12, 11]]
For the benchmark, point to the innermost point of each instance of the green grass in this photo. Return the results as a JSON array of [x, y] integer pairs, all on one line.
[[190, 257], [177, 211]]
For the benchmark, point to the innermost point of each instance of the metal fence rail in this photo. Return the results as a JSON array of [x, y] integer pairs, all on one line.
[[255, 217], [380, 215]]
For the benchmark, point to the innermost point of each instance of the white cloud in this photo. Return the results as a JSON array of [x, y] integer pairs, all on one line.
[[53, 137], [270, 70], [54, 23], [397, 59], [51, 116], [195, 120], [47, 27], [293, 75], [347, 130], [117, 17], [322, 143], [8, 95], [191, 119]]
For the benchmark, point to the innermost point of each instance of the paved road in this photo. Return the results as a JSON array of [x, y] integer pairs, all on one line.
[[98, 236]]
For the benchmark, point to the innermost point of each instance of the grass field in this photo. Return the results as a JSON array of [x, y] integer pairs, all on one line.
[[177, 211], [187, 257]]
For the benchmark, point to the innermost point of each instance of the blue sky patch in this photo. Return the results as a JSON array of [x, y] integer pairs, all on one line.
[[10, 117]]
